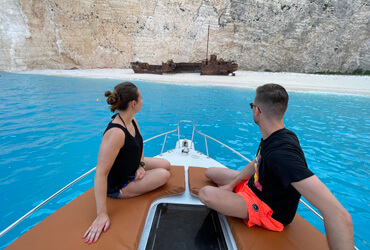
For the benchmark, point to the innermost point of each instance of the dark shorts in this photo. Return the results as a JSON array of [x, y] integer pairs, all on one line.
[[117, 193], [259, 212]]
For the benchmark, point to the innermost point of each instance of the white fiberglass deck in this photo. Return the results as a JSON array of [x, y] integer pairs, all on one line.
[[185, 155]]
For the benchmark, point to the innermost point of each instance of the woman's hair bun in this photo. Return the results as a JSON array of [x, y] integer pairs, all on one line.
[[112, 98], [123, 93], [107, 93]]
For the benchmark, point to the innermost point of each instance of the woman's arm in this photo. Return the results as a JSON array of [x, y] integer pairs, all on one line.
[[140, 172], [112, 142], [138, 128]]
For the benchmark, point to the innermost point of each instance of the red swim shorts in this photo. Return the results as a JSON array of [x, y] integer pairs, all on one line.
[[259, 212]]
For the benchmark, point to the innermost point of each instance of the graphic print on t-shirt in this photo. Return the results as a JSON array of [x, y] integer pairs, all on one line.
[[257, 162]]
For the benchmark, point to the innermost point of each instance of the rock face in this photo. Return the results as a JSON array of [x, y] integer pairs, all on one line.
[[279, 35]]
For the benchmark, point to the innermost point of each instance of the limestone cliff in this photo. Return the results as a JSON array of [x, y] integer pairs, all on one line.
[[279, 35]]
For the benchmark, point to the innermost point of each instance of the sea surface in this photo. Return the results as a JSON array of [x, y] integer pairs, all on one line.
[[51, 129]]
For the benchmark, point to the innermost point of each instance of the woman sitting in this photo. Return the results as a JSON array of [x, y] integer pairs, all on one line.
[[122, 171]]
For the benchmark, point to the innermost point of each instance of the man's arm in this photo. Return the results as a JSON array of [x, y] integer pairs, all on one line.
[[246, 173], [337, 221]]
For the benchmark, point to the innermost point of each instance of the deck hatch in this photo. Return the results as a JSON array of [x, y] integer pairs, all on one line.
[[182, 226]]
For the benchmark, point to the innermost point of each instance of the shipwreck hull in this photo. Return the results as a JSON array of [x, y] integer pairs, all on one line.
[[181, 67], [211, 67], [146, 68], [218, 69]]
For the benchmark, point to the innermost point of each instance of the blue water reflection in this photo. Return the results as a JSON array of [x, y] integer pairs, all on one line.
[[51, 129]]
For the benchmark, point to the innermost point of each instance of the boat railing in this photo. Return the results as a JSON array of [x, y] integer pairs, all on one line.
[[163, 145], [192, 139], [147, 140], [91, 170], [44, 202]]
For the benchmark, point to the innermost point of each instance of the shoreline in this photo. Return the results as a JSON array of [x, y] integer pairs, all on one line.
[[297, 82]]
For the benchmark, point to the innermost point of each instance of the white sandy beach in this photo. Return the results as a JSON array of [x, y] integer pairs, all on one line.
[[340, 84]]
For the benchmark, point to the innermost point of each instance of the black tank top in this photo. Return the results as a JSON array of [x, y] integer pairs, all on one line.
[[127, 160]]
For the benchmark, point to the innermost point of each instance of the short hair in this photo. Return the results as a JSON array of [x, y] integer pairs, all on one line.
[[273, 99], [123, 93]]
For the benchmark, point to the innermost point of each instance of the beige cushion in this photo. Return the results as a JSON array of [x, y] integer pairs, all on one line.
[[299, 234], [64, 228]]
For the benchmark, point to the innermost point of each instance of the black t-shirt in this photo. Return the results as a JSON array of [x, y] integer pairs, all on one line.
[[127, 160], [280, 161]]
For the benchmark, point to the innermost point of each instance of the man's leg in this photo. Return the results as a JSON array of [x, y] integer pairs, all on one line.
[[221, 176], [223, 201]]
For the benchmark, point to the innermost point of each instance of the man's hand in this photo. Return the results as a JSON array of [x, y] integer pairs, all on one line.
[[227, 187]]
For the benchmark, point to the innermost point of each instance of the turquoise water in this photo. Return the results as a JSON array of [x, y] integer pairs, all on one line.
[[51, 129]]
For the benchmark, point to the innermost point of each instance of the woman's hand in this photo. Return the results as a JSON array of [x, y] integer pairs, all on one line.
[[140, 173], [100, 223]]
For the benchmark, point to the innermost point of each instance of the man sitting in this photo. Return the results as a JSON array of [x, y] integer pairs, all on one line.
[[267, 191]]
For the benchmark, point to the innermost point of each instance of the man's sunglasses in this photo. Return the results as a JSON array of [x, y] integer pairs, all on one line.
[[252, 105]]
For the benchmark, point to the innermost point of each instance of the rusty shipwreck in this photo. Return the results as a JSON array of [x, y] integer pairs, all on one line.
[[213, 66]]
